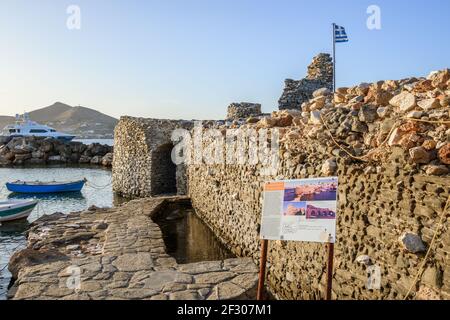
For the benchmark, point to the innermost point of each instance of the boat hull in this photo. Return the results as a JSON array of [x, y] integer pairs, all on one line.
[[45, 188], [17, 211]]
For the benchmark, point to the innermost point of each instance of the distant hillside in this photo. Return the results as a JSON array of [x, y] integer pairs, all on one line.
[[84, 122]]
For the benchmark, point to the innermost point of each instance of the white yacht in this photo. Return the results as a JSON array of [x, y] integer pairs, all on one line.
[[25, 127]]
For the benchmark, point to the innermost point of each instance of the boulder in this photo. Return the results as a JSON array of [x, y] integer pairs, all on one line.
[[436, 170], [315, 117], [252, 120], [321, 92], [46, 146], [378, 96], [284, 121], [439, 79], [445, 101], [405, 101], [414, 115], [22, 156], [429, 144], [96, 160], [429, 104], [420, 155], [444, 153], [84, 159], [267, 122], [56, 159], [22, 149], [342, 90], [107, 159], [329, 167], [412, 242], [423, 86], [367, 114]]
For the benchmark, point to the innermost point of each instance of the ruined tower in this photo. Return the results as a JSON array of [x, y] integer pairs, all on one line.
[[320, 75]]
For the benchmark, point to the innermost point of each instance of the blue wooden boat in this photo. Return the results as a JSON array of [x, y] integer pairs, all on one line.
[[45, 187], [14, 209]]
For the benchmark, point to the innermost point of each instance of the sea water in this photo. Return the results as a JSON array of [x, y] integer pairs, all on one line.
[[97, 191]]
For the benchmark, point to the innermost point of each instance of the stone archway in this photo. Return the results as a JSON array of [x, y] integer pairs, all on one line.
[[163, 175]]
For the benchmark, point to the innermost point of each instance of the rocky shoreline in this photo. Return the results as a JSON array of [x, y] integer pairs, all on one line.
[[119, 253], [21, 151]]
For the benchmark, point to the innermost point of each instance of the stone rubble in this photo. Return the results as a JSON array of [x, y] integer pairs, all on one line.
[[369, 118]]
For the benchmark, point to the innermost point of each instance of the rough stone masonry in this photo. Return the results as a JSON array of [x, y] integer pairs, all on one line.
[[389, 143], [296, 92]]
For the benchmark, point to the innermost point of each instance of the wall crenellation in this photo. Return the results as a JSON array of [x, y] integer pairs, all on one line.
[[243, 110]]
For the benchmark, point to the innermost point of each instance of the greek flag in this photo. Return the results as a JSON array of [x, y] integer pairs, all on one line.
[[339, 34]]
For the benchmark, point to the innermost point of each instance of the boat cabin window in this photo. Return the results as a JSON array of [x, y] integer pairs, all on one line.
[[52, 130], [12, 130], [38, 131]]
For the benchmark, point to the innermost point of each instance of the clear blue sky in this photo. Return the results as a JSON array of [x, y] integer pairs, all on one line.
[[191, 58]]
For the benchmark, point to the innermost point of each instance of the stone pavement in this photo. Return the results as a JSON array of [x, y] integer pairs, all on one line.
[[119, 253]]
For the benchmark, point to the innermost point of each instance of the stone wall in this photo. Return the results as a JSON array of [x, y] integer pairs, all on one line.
[[142, 163], [296, 92], [374, 210], [389, 143]]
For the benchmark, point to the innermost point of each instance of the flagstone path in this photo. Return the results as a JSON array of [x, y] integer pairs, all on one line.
[[119, 253]]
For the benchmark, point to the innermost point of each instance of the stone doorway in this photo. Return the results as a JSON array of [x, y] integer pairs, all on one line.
[[163, 171]]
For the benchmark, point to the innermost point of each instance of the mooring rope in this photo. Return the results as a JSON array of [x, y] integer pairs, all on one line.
[[40, 210], [425, 259], [98, 187]]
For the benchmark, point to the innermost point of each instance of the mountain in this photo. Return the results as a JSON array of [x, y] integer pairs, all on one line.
[[84, 122]]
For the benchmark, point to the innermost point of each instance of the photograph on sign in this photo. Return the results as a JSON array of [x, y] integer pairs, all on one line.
[[300, 210]]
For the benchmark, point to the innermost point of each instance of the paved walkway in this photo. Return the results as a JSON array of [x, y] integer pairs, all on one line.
[[119, 253]]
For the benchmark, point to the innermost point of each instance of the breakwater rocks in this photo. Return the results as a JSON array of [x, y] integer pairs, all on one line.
[[119, 253], [40, 151]]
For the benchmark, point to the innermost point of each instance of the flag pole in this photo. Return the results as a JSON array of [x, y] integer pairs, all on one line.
[[334, 56]]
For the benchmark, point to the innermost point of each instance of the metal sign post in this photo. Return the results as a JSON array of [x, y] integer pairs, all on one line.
[[330, 249], [262, 269], [303, 210]]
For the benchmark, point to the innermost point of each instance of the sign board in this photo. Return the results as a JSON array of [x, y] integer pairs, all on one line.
[[300, 210]]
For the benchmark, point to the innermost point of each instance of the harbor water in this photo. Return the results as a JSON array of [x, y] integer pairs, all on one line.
[[97, 191]]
